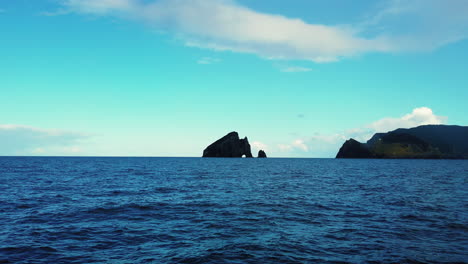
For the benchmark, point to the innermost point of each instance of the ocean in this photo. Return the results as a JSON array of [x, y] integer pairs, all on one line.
[[194, 210]]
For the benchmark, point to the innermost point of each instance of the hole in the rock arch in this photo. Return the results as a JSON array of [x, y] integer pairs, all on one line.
[[243, 156]]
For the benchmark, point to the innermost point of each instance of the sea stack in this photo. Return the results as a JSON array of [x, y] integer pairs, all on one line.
[[229, 146], [262, 154]]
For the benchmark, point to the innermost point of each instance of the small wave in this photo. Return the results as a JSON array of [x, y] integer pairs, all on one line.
[[27, 249], [457, 226], [142, 173], [321, 206], [165, 190], [417, 218], [126, 207], [24, 206], [339, 238], [357, 215]]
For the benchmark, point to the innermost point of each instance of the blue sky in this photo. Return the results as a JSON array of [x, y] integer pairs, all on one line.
[[168, 77]]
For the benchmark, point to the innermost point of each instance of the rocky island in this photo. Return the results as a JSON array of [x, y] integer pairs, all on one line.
[[423, 142], [229, 146]]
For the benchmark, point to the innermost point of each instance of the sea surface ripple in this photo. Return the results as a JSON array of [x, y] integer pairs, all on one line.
[[193, 210]]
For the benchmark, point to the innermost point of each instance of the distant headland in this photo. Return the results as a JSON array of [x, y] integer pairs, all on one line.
[[423, 142], [231, 146]]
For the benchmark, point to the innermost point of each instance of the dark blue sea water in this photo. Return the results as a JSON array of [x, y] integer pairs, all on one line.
[[193, 210]]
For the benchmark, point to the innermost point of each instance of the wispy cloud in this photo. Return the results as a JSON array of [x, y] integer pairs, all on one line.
[[257, 145], [58, 12], [208, 60], [419, 25], [292, 69], [227, 25], [26, 140]]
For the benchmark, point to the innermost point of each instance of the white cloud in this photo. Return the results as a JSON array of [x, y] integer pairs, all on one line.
[[58, 12], [361, 134], [24, 140], [295, 69], [299, 144], [419, 116], [317, 145], [38, 151], [285, 147], [208, 60], [226, 25], [296, 145], [327, 145], [420, 25], [260, 146]]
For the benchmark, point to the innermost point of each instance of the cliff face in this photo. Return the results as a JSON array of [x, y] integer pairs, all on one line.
[[229, 146], [402, 145], [353, 149], [448, 139], [424, 142]]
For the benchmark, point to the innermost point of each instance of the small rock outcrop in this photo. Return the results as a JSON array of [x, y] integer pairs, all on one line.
[[229, 146], [262, 154]]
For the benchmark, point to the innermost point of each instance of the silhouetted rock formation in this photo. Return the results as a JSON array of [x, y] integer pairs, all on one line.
[[262, 154], [423, 142], [229, 146], [353, 149]]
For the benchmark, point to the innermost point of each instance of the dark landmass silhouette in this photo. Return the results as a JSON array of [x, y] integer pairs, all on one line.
[[354, 150], [262, 154], [423, 142], [229, 146]]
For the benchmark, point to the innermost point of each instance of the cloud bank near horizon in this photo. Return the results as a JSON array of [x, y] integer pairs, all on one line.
[[28, 140], [319, 144], [225, 25]]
